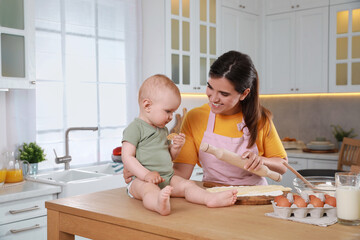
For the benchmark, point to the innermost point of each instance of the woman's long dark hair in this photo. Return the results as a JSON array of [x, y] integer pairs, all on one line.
[[240, 71]]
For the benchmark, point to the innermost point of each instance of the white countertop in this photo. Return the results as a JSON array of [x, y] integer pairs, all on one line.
[[26, 189], [321, 156]]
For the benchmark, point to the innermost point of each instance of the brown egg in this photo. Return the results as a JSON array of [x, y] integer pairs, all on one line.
[[296, 197], [283, 202], [300, 202], [316, 202], [311, 197], [330, 201], [276, 199]]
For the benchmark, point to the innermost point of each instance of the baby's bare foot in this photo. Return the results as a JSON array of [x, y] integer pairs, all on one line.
[[163, 206], [222, 199]]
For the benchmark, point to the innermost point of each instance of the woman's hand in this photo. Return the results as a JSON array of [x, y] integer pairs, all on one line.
[[153, 177], [127, 175], [253, 162]]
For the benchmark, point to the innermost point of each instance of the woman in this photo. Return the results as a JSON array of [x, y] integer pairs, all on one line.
[[233, 119]]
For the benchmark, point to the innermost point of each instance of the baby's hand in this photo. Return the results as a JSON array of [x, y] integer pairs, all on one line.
[[153, 177], [178, 141]]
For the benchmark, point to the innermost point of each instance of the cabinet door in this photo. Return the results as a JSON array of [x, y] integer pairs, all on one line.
[[278, 6], [288, 177], [311, 58], [35, 228], [250, 6], [280, 53], [240, 33], [344, 50], [309, 4], [17, 48], [321, 164]]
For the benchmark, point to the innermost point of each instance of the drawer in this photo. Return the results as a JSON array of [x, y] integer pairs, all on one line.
[[34, 228], [24, 209]]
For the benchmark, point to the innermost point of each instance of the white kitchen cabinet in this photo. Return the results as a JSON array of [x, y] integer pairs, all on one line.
[[297, 52], [17, 44], [240, 32], [344, 50], [281, 6], [321, 164], [192, 42], [249, 6], [24, 218]]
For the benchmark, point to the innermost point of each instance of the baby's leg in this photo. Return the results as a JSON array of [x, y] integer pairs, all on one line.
[[195, 194], [153, 198]]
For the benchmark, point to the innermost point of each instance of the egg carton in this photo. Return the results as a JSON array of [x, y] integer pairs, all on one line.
[[305, 212]]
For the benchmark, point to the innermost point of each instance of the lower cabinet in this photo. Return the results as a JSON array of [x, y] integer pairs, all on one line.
[[197, 174], [35, 228]]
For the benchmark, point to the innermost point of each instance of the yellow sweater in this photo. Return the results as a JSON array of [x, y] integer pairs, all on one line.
[[194, 126]]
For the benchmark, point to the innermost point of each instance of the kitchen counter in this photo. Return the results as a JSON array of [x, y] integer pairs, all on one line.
[[321, 156], [112, 214], [26, 189]]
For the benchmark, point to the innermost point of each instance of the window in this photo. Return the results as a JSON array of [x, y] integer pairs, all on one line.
[[83, 52]]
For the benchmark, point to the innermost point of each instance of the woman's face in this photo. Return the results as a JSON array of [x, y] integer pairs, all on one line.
[[223, 98]]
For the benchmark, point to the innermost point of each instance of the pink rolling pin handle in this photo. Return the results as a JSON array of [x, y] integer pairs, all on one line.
[[238, 161]]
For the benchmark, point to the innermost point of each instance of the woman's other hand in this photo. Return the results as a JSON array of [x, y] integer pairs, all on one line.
[[253, 162], [127, 175]]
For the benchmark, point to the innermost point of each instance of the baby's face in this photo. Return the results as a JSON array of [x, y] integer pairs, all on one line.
[[163, 108]]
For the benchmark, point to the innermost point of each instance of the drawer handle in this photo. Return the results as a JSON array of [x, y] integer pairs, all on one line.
[[295, 162], [199, 173], [25, 229], [24, 210]]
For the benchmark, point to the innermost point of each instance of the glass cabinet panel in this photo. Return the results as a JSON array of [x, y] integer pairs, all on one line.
[[203, 72], [203, 39], [12, 55], [186, 36], [186, 8], [212, 11], [175, 68], [203, 10], [355, 49], [342, 22], [174, 34], [175, 7], [341, 74], [12, 14], [356, 20], [355, 77], [341, 48], [212, 40], [186, 70]]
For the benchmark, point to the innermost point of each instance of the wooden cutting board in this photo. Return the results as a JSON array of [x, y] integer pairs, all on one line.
[[320, 151], [252, 200]]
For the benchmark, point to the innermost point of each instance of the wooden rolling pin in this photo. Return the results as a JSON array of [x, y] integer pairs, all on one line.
[[236, 160]]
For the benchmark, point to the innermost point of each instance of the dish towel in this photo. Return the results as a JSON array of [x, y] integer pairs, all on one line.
[[117, 167], [322, 221]]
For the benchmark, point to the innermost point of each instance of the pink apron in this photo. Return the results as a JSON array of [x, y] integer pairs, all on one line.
[[219, 171]]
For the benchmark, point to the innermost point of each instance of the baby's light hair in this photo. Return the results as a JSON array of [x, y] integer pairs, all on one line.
[[155, 85]]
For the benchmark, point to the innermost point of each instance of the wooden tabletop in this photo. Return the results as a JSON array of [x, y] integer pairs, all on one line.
[[113, 215]]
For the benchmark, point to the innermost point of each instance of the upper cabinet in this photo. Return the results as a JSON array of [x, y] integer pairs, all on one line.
[[297, 51], [240, 29], [192, 43], [344, 56], [249, 6], [281, 6], [17, 61]]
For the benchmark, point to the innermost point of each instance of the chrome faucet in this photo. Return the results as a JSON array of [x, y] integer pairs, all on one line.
[[67, 158]]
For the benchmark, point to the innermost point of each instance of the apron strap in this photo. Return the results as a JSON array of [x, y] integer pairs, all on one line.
[[211, 122]]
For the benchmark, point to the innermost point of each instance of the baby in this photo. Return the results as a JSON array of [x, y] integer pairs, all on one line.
[[148, 154]]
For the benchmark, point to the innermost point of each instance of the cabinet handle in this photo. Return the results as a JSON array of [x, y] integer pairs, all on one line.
[[297, 5], [293, 162], [24, 210], [33, 82], [199, 173], [291, 89], [292, 6], [25, 229], [297, 89]]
